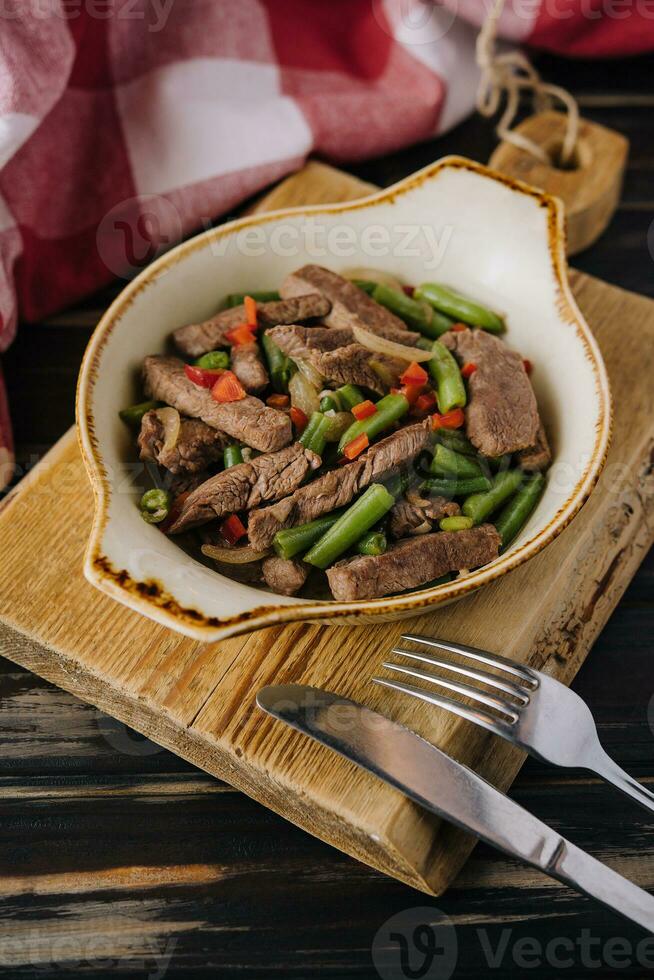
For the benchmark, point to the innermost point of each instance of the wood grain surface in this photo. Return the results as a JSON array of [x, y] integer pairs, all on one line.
[[118, 857], [590, 187], [199, 700]]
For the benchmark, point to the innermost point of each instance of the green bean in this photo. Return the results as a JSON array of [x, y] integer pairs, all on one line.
[[389, 410], [232, 455], [516, 512], [445, 372], [278, 364], [134, 414], [420, 316], [293, 541], [440, 487], [343, 399], [459, 307], [372, 543], [214, 360], [314, 436], [398, 483], [455, 439], [455, 523], [447, 462], [503, 485], [261, 296], [497, 463], [155, 505], [310, 428], [357, 519], [367, 285]]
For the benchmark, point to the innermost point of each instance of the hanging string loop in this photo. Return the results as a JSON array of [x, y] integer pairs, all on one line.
[[507, 76]]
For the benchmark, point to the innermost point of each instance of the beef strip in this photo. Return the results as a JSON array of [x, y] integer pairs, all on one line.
[[247, 364], [336, 357], [350, 306], [538, 456], [248, 420], [338, 486], [502, 414], [413, 562], [197, 445], [284, 575], [184, 482], [416, 516], [198, 338], [246, 485]]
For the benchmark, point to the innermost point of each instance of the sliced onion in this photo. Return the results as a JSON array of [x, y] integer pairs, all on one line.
[[423, 528], [304, 394], [374, 275], [313, 376], [171, 421], [233, 556], [383, 346]]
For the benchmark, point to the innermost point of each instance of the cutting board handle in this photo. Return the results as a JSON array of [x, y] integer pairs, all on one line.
[[590, 188]]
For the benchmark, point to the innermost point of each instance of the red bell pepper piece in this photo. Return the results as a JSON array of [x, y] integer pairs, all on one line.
[[408, 290], [363, 410], [298, 418], [227, 388], [242, 334], [425, 403], [414, 375], [468, 369], [450, 420], [458, 327], [529, 367], [410, 392], [201, 376], [356, 446], [233, 529], [250, 311]]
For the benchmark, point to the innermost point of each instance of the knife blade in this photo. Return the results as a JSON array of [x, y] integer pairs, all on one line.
[[437, 782]]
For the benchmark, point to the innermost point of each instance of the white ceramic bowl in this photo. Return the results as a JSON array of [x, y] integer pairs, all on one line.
[[455, 222]]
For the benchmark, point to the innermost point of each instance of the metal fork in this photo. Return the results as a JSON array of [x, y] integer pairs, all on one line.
[[527, 708]]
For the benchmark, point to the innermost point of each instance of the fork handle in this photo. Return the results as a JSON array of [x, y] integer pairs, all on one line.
[[610, 771]]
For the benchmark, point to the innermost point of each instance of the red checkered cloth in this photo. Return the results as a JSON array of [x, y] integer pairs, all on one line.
[[126, 124]]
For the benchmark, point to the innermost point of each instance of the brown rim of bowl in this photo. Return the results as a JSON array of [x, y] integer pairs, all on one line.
[[150, 597]]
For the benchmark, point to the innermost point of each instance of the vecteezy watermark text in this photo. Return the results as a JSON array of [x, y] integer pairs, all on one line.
[[422, 943], [137, 230], [149, 14]]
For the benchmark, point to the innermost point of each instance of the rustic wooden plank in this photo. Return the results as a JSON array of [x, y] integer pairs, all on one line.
[[214, 904], [199, 700]]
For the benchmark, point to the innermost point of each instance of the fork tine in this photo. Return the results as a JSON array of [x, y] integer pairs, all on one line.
[[479, 718], [492, 680], [469, 692], [522, 672]]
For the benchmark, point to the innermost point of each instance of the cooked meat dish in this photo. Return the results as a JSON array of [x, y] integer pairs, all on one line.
[[195, 444], [336, 357], [413, 562], [198, 338], [351, 428], [249, 420]]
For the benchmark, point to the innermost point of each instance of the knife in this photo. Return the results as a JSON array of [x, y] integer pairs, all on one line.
[[431, 778]]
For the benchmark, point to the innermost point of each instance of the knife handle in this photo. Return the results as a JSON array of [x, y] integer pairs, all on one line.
[[577, 868]]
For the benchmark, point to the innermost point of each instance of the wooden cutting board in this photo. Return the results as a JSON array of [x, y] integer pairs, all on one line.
[[198, 700]]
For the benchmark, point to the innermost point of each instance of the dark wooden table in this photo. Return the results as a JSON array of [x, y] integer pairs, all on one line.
[[117, 857]]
